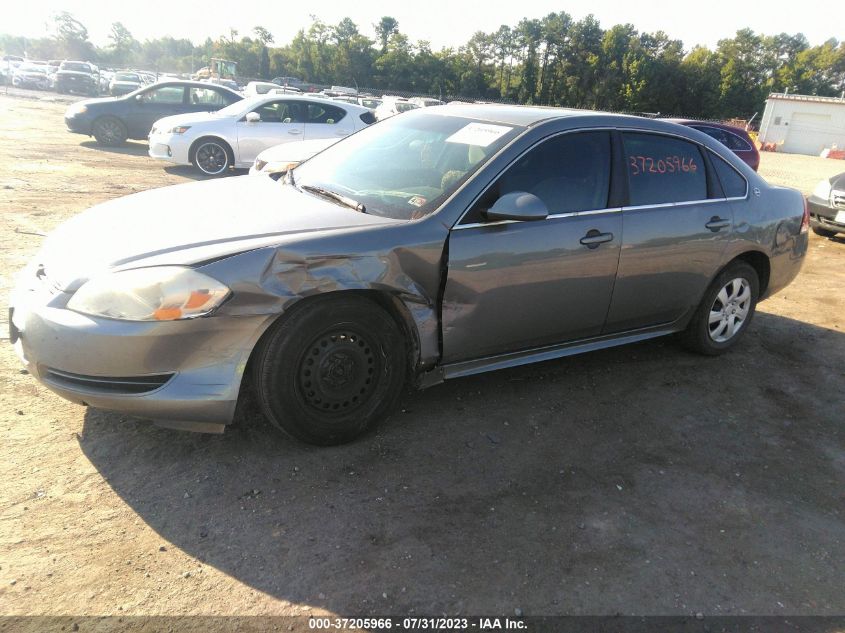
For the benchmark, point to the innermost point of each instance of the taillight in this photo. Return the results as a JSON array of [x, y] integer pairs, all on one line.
[[805, 221]]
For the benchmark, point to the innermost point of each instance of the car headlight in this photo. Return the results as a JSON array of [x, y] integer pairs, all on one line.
[[822, 190], [179, 129], [163, 293], [77, 108]]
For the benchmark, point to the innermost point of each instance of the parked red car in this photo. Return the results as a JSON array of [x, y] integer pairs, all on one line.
[[734, 138]]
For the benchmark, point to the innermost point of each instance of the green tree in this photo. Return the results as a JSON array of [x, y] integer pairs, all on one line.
[[385, 28], [72, 37]]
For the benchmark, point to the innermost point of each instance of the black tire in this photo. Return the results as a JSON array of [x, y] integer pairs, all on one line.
[[717, 337], [823, 232], [212, 156], [331, 370], [109, 131]]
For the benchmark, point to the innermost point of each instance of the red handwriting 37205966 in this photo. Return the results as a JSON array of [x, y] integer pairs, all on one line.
[[666, 165]]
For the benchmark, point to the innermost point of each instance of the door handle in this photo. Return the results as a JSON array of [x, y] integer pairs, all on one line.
[[294, 131], [594, 237], [716, 223]]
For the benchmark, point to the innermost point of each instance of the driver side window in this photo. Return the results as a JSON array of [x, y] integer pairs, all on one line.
[[279, 112], [165, 94], [570, 172]]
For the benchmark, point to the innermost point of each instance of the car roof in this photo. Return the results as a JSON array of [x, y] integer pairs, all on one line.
[[190, 83], [511, 114], [721, 126], [259, 99]]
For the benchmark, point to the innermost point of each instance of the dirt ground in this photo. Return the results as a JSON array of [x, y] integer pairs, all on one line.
[[638, 480]]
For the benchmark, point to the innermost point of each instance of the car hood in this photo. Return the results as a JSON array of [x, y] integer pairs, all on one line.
[[295, 152], [187, 224], [189, 118]]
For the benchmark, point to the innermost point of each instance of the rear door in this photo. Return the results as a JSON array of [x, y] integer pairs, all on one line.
[[324, 120], [514, 286], [675, 229], [281, 121], [146, 108]]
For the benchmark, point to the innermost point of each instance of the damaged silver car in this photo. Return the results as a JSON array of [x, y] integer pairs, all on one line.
[[437, 244]]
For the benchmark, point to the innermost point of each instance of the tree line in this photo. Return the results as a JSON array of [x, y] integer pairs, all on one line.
[[555, 60]]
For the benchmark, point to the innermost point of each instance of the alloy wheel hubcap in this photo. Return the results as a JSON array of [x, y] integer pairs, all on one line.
[[729, 310], [338, 372], [110, 130], [212, 158]]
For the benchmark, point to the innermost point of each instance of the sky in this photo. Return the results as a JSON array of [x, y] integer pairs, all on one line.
[[442, 22]]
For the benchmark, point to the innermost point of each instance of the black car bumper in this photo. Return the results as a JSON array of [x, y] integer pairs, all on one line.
[[67, 84], [80, 124], [824, 216]]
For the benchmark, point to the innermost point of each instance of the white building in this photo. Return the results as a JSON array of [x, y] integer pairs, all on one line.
[[802, 124]]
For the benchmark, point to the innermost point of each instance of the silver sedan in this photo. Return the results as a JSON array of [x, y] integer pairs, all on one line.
[[441, 243]]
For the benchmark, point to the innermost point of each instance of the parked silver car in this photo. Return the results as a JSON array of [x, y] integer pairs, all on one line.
[[445, 242]]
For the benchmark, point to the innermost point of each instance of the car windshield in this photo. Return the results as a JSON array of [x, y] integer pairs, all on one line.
[[33, 68], [405, 167], [76, 67], [127, 77]]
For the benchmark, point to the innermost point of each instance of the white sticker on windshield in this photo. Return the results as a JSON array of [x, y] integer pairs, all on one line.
[[480, 134]]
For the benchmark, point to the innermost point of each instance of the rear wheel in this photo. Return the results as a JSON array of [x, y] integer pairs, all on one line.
[[331, 370], [725, 311], [823, 232], [212, 156], [109, 131]]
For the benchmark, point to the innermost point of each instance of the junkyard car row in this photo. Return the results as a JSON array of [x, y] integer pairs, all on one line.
[[436, 244]]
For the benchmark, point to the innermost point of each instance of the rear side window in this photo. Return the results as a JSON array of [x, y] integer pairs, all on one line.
[[368, 117], [324, 113], [206, 96], [730, 140], [663, 169], [733, 183]]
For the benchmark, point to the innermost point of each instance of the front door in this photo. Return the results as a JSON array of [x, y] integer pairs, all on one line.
[[281, 121], [675, 230], [514, 286]]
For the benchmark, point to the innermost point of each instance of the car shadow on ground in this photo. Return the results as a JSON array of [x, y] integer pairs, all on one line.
[[188, 171], [130, 148], [643, 479]]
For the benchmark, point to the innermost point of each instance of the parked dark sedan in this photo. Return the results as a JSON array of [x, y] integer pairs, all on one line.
[[112, 121], [735, 139], [827, 206], [77, 77], [439, 243]]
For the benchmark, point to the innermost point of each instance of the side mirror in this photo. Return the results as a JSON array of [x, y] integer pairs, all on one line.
[[252, 117], [518, 205]]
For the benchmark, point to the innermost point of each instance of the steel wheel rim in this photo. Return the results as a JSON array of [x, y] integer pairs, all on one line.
[[729, 310], [338, 372], [110, 130], [212, 158]]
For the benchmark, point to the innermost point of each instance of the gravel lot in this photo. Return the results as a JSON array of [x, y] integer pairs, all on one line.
[[639, 480]]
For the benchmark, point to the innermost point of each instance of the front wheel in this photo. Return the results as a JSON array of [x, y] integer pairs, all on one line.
[[331, 370], [212, 157], [725, 312], [109, 131]]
